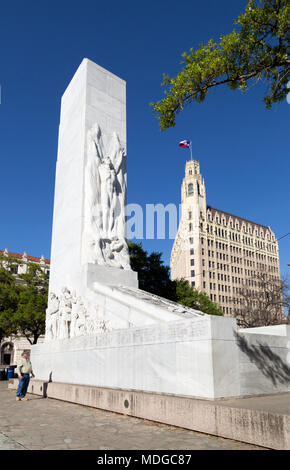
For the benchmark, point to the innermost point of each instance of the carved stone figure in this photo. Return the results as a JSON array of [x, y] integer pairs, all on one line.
[[52, 314], [80, 324], [74, 311], [90, 325], [105, 187], [65, 306]]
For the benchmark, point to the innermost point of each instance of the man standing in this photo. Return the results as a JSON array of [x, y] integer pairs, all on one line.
[[24, 369]]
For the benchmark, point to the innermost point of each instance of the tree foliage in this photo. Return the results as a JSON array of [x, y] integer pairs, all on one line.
[[193, 298], [258, 50], [23, 300], [154, 277], [9, 294]]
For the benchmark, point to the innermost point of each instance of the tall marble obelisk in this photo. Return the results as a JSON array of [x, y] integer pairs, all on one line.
[[101, 330], [88, 237]]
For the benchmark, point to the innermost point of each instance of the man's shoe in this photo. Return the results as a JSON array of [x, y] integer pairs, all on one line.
[[24, 399], [18, 399]]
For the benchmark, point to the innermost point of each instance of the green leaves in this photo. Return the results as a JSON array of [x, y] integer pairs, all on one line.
[[193, 298], [154, 277], [23, 305], [259, 51]]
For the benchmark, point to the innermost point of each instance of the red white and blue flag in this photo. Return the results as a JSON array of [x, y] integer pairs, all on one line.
[[185, 144]]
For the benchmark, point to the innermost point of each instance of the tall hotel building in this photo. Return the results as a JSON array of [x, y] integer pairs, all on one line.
[[217, 252]]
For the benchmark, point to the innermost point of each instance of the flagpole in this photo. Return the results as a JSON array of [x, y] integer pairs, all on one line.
[[186, 144]]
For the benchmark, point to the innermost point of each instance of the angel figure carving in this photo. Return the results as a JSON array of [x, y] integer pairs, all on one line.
[[105, 192]]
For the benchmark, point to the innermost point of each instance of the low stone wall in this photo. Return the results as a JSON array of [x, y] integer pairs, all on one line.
[[215, 417], [264, 359]]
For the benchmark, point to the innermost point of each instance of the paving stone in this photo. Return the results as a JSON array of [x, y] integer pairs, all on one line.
[[48, 424], [7, 443]]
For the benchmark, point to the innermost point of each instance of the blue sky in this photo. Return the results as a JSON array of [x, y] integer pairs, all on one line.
[[243, 149]]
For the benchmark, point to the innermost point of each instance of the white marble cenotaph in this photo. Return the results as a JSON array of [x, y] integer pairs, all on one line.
[[101, 330]]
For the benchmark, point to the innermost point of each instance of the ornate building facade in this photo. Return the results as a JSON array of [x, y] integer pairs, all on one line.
[[22, 262], [11, 348], [217, 252]]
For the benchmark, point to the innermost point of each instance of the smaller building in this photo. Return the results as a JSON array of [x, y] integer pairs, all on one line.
[[11, 349], [23, 261]]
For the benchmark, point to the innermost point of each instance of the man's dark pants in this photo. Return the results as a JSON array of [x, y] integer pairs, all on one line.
[[23, 386]]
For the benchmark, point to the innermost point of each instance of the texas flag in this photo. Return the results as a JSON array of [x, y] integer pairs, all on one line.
[[185, 144]]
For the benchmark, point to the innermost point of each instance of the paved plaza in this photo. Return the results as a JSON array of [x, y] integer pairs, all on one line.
[[47, 424]]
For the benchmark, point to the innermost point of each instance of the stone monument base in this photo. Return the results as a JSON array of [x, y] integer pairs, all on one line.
[[193, 373], [260, 421], [204, 357], [196, 357]]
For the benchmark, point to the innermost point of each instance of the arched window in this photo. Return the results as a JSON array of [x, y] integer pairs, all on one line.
[[7, 354], [190, 189]]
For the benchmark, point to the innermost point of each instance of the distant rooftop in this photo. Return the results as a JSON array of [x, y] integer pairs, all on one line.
[[228, 215], [25, 257]]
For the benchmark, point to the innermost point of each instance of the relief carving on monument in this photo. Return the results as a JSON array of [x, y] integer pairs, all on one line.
[[65, 306], [105, 189], [52, 317], [68, 317]]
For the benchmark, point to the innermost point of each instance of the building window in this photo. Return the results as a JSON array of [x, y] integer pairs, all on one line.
[[190, 189], [192, 262], [193, 283], [192, 273], [14, 269], [191, 251]]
